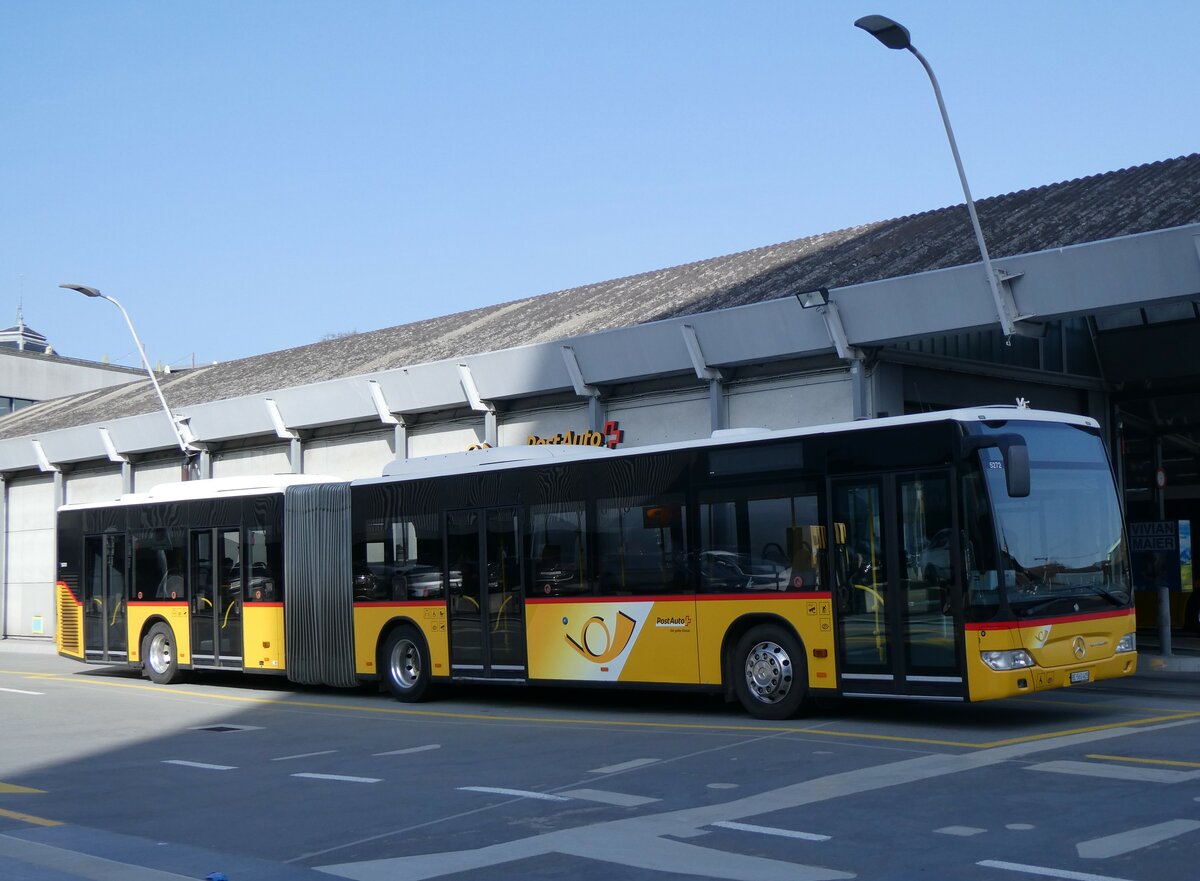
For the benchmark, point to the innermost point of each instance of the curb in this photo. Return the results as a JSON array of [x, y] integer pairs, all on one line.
[[33, 645], [1172, 664]]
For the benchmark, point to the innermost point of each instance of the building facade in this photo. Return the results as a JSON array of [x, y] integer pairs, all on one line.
[[1104, 273]]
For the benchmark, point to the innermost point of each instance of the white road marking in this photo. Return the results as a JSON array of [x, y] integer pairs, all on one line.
[[1134, 839], [620, 799], [960, 831], [19, 691], [1116, 772], [1019, 827], [624, 766], [771, 830], [1046, 873], [649, 840], [204, 765], [722, 786], [323, 752], [411, 749], [341, 777], [519, 793]]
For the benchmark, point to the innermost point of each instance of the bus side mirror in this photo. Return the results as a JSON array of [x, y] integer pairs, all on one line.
[[1016, 468], [1015, 454]]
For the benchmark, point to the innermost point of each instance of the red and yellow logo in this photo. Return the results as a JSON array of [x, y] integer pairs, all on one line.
[[597, 643]]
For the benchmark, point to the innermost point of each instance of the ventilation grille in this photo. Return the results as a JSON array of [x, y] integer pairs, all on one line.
[[70, 619]]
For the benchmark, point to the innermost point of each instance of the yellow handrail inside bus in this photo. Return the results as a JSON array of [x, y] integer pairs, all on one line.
[[500, 613], [228, 610], [878, 630]]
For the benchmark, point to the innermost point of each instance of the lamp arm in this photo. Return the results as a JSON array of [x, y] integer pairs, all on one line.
[[184, 447], [1006, 315]]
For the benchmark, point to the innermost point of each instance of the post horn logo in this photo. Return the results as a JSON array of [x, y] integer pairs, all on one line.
[[1079, 647], [599, 645]]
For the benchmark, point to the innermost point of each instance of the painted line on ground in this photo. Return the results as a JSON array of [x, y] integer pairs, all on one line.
[[1115, 772], [770, 830], [1183, 718], [410, 750], [324, 752], [22, 691], [617, 799], [340, 778], [651, 840], [518, 793], [624, 766], [960, 831], [1134, 839], [1145, 761], [204, 765], [28, 818], [12, 789], [1045, 872]]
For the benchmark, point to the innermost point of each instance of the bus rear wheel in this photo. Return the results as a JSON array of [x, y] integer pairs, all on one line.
[[159, 662], [404, 664], [770, 676]]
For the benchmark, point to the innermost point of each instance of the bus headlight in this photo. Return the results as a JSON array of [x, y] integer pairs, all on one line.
[[1013, 659], [1128, 643]]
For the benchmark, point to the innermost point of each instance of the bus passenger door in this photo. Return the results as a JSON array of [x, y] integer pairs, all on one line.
[[486, 597], [897, 589], [105, 632], [216, 598]]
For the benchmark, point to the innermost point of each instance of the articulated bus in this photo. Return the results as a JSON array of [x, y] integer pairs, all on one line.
[[965, 555]]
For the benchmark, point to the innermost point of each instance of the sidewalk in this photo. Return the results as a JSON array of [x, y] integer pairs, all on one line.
[[1184, 657], [34, 645]]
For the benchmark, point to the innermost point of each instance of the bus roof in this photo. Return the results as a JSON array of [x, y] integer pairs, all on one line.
[[209, 488], [501, 458]]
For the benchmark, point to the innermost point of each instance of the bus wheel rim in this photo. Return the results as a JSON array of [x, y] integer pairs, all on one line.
[[406, 663], [769, 672], [160, 653]]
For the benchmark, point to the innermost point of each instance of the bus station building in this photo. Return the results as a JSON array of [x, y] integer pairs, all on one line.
[[883, 319]]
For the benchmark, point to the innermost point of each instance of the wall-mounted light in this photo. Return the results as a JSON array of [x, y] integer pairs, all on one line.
[[813, 299]]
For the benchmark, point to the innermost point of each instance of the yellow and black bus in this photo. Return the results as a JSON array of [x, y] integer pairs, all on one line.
[[963, 555]]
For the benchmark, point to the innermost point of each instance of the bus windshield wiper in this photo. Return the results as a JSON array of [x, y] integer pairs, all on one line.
[[1120, 598], [1117, 598]]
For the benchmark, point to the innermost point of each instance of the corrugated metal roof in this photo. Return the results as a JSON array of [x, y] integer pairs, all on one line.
[[1149, 197]]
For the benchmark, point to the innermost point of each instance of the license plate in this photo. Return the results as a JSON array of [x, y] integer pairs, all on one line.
[[1081, 676]]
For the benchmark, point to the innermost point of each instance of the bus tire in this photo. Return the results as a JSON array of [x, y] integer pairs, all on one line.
[[159, 661], [404, 665], [770, 676]]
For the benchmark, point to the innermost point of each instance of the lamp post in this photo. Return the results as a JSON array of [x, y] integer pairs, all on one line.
[[895, 36], [188, 450]]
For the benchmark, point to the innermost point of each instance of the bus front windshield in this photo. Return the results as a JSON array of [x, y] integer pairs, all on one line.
[[1062, 548]]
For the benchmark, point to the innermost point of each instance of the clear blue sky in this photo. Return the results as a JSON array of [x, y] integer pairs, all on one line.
[[252, 175]]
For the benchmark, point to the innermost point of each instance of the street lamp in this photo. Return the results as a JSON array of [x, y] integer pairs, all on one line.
[[186, 448], [895, 36]]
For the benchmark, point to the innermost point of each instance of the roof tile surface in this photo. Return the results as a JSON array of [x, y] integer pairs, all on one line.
[[1133, 200]]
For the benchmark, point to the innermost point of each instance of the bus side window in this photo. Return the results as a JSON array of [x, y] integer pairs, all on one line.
[[759, 544]]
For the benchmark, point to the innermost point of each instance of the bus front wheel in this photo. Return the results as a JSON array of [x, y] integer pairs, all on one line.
[[404, 664], [770, 676], [159, 662]]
